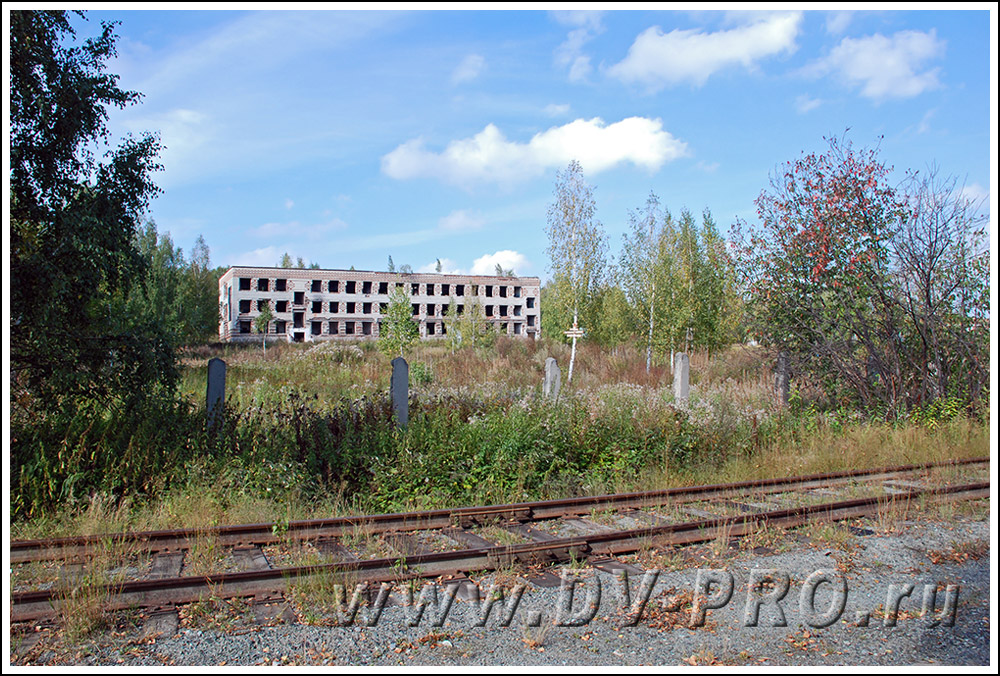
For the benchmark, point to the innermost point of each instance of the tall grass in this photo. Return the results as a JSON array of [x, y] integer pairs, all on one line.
[[309, 429]]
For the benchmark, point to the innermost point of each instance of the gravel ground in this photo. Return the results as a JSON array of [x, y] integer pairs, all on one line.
[[935, 553]]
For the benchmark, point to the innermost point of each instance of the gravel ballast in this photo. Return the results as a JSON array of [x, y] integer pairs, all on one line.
[[872, 565]]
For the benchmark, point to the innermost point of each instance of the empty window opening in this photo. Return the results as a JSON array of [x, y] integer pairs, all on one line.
[[416, 309], [350, 308], [444, 329], [382, 307], [317, 328], [503, 310], [334, 307], [366, 308], [445, 289], [517, 292], [299, 298], [333, 286], [430, 289], [298, 320], [244, 283], [430, 328], [475, 289], [317, 306], [262, 284], [531, 320], [414, 289], [430, 309], [444, 310], [281, 306], [298, 337], [317, 286], [262, 304], [530, 300], [332, 328], [244, 306], [383, 287], [245, 326], [281, 285], [366, 328], [351, 287], [517, 310], [366, 287], [503, 291], [349, 328], [279, 326], [517, 329], [399, 285], [489, 290], [460, 289], [489, 310], [460, 309]]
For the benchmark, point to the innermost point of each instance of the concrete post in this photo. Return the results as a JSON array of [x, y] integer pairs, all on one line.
[[782, 378], [682, 365], [399, 387], [553, 376], [215, 393]]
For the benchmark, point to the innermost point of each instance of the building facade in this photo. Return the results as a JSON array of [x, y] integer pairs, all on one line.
[[313, 305]]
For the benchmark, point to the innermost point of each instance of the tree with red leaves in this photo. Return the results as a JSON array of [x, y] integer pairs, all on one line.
[[829, 277]]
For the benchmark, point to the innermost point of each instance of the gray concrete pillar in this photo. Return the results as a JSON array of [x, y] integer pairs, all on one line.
[[215, 393], [553, 377], [399, 388], [682, 366], [782, 378]]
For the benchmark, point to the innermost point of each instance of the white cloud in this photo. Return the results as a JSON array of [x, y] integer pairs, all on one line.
[[588, 18], [659, 60], [804, 104], [707, 167], [490, 157], [299, 230], [448, 267], [884, 68], [470, 68], [508, 260], [556, 110], [462, 220], [975, 193], [289, 203], [266, 257], [570, 52], [837, 22]]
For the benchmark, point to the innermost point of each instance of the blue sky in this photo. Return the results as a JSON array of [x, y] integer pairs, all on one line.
[[344, 137]]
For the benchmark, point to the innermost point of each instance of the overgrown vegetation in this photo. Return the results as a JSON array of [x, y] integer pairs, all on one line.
[[308, 429], [881, 295]]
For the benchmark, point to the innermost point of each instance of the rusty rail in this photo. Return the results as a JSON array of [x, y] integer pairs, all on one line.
[[36, 605], [22, 551]]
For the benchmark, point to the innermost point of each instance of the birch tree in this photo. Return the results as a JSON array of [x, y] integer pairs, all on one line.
[[640, 255], [577, 245]]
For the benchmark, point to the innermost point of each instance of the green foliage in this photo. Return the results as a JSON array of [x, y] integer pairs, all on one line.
[[74, 222], [421, 374], [876, 292], [577, 245], [398, 330]]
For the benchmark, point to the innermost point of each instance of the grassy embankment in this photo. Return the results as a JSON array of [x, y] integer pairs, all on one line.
[[308, 433]]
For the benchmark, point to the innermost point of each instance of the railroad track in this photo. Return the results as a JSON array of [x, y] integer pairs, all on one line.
[[545, 532]]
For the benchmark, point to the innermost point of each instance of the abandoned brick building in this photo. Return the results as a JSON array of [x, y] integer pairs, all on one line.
[[311, 305]]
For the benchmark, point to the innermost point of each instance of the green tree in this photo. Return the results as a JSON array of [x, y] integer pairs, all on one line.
[[640, 261], [398, 330], [261, 323], [286, 261], [392, 266], [867, 285], [75, 220], [577, 246]]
